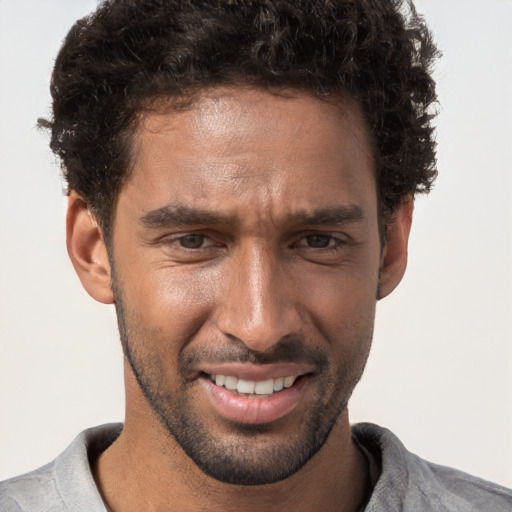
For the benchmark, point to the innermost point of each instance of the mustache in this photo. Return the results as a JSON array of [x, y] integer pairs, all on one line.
[[235, 351]]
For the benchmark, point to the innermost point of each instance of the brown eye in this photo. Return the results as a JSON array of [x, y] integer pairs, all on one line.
[[192, 241], [319, 241]]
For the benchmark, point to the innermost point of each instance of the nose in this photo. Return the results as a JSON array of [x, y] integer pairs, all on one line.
[[258, 306]]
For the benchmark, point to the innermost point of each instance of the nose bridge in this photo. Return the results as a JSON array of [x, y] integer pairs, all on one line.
[[256, 308]]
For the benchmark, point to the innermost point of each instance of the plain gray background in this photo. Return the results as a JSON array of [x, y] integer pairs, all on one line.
[[440, 370]]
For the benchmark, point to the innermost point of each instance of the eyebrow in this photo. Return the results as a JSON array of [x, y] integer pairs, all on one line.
[[334, 215], [178, 215]]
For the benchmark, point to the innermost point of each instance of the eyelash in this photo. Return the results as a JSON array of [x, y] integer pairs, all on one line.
[[334, 243], [192, 235]]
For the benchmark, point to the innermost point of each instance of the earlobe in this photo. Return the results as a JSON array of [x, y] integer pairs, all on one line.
[[394, 255], [87, 250]]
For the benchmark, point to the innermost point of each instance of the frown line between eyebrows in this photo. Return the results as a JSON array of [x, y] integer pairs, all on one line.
[[178, 215]]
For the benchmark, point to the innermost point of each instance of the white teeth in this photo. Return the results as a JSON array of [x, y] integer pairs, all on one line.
[[245, 386], [251, 387], [264, 387], [288, 381], [230, 382], [278, 384]]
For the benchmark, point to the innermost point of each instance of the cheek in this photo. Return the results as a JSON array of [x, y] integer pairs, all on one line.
[[341, 308], [341, 296], [173, 304]]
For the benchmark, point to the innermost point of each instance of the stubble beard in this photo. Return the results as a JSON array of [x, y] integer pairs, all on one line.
[[250, 455]]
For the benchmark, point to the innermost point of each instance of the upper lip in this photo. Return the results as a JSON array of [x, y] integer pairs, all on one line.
[[257, 372]]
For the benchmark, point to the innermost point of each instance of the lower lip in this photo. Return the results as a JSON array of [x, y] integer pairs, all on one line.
[[249, 410]]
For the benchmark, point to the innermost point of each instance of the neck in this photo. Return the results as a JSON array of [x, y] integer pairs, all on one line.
[[145, 469]]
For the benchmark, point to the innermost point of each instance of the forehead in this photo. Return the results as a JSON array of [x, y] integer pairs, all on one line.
[[288, 151]]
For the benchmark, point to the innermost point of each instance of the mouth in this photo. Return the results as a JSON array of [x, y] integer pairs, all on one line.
[[255, 395], [253, 388]]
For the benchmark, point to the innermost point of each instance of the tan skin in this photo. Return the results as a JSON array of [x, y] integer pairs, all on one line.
[[264, 268]]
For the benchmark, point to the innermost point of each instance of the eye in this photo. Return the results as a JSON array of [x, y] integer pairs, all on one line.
[[192, 241], [192, 247], [320, 241], [321, 245]]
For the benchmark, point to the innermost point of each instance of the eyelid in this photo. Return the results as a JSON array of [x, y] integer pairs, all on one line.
[[209, 240], [338, 237], [177, 237], [216, 239]]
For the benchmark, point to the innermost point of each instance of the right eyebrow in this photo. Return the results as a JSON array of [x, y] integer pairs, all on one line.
[[178, 215]]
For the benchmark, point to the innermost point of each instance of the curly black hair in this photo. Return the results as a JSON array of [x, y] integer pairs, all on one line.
[[126, 54]]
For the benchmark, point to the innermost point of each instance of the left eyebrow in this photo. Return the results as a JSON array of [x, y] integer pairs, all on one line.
[[336, 215]]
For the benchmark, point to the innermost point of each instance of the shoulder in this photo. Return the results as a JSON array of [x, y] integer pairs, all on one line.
[[28, 492], [476, 493], [66, 483], [408, 482]]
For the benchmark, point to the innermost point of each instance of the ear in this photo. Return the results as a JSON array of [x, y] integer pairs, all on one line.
[[394, 256], [87, 250]]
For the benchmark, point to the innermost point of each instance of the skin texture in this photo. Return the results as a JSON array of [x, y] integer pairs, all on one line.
[[246, 239]]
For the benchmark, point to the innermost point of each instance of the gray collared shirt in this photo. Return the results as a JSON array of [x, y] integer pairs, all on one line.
[[407, 483]]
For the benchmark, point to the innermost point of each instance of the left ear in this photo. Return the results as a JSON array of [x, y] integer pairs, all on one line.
[[394, 256]]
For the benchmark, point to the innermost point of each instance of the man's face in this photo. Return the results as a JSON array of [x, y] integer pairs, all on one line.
[[246, 259]]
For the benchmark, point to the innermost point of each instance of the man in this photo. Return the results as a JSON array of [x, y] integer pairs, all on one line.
[[241, 178]]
